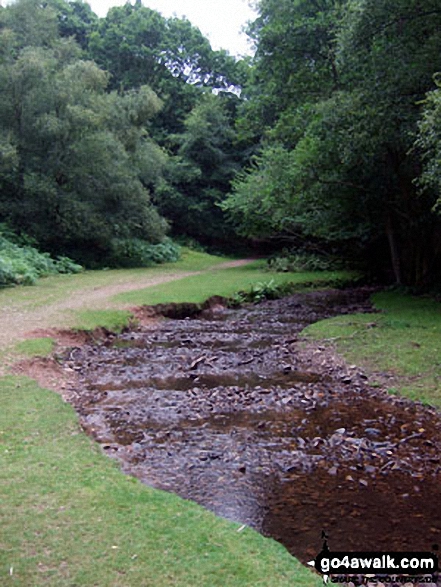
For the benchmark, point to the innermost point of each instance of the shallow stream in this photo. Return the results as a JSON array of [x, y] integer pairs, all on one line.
[[232, 411]]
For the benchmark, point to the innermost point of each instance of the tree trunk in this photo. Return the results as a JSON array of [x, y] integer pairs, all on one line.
[[393, 247]]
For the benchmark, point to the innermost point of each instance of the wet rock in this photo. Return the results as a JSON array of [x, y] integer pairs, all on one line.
[[372, 432]]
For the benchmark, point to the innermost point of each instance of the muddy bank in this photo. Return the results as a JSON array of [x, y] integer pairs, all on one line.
[[228, 409]]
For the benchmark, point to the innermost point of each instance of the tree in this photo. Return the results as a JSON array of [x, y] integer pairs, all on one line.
[[76, 160], [200, 174], [428, 142], [75, 19], [295, 61], [345, 129], [139, 46], [33, 25]]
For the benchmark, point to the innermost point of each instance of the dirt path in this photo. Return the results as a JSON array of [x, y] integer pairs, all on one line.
[[17, 322], [99, 295]]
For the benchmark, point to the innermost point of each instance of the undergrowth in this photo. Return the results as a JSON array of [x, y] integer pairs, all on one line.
[[271, 290], [298, 260], [138, 253], [23, 264]]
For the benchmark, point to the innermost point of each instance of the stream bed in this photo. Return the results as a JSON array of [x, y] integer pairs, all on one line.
[[232, 410]]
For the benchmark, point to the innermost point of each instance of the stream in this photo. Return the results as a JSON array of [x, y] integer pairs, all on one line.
[[232, 410]]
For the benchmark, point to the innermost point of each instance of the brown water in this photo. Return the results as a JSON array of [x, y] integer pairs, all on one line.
[[229, 411]]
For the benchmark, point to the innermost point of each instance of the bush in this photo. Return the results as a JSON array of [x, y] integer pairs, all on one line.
[[138, 253], [190, 243], [267, 290], [270, 290], [24, 264], [66, 265], [298, 261]]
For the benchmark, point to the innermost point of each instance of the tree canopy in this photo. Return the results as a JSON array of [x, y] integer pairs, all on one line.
[[117, 131], [338, 89], [89, 110]]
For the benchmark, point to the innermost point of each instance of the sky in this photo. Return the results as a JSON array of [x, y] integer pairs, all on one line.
[[220, 21]]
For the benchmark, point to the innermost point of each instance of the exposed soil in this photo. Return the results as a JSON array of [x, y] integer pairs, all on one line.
[[232, 410]]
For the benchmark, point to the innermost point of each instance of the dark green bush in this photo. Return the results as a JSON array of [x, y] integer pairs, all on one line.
[[298, 261], [138, 253], [66, 265], [24, 264]]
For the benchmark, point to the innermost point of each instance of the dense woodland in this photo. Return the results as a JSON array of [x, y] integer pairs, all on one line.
[[120, 134]]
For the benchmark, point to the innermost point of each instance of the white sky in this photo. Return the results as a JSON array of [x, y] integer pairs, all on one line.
[[220, 21]]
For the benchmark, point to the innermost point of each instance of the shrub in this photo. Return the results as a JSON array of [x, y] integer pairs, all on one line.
[[66, 265], [268, 290], [298, 261], [138, 253], [24, 264]]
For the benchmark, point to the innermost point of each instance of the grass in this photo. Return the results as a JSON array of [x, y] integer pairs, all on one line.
[[59, 287], [197, 289], [225, 282], [70, 518], [25, 349], [35, 347], [404, 339], [113, 320]]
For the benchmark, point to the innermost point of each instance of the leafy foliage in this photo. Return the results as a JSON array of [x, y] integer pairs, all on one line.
[[258, 292], [137, 253], [90, 156], [139, 46], [428, 142], [298, 261], [114, 130], [339, 102], [24, 264], [271, 290], [77, 158], [199, 175]]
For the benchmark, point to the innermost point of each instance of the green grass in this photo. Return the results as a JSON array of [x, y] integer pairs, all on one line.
[[35, 347], [404, 339], [59, 287], [25, 349], [113, 320], [225, 282], [196, 289], [70, 518]]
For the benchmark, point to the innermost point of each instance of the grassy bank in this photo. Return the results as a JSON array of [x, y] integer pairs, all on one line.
[[59, 287], [225, 282], [69, 517], [198, 288], [403, 339]]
